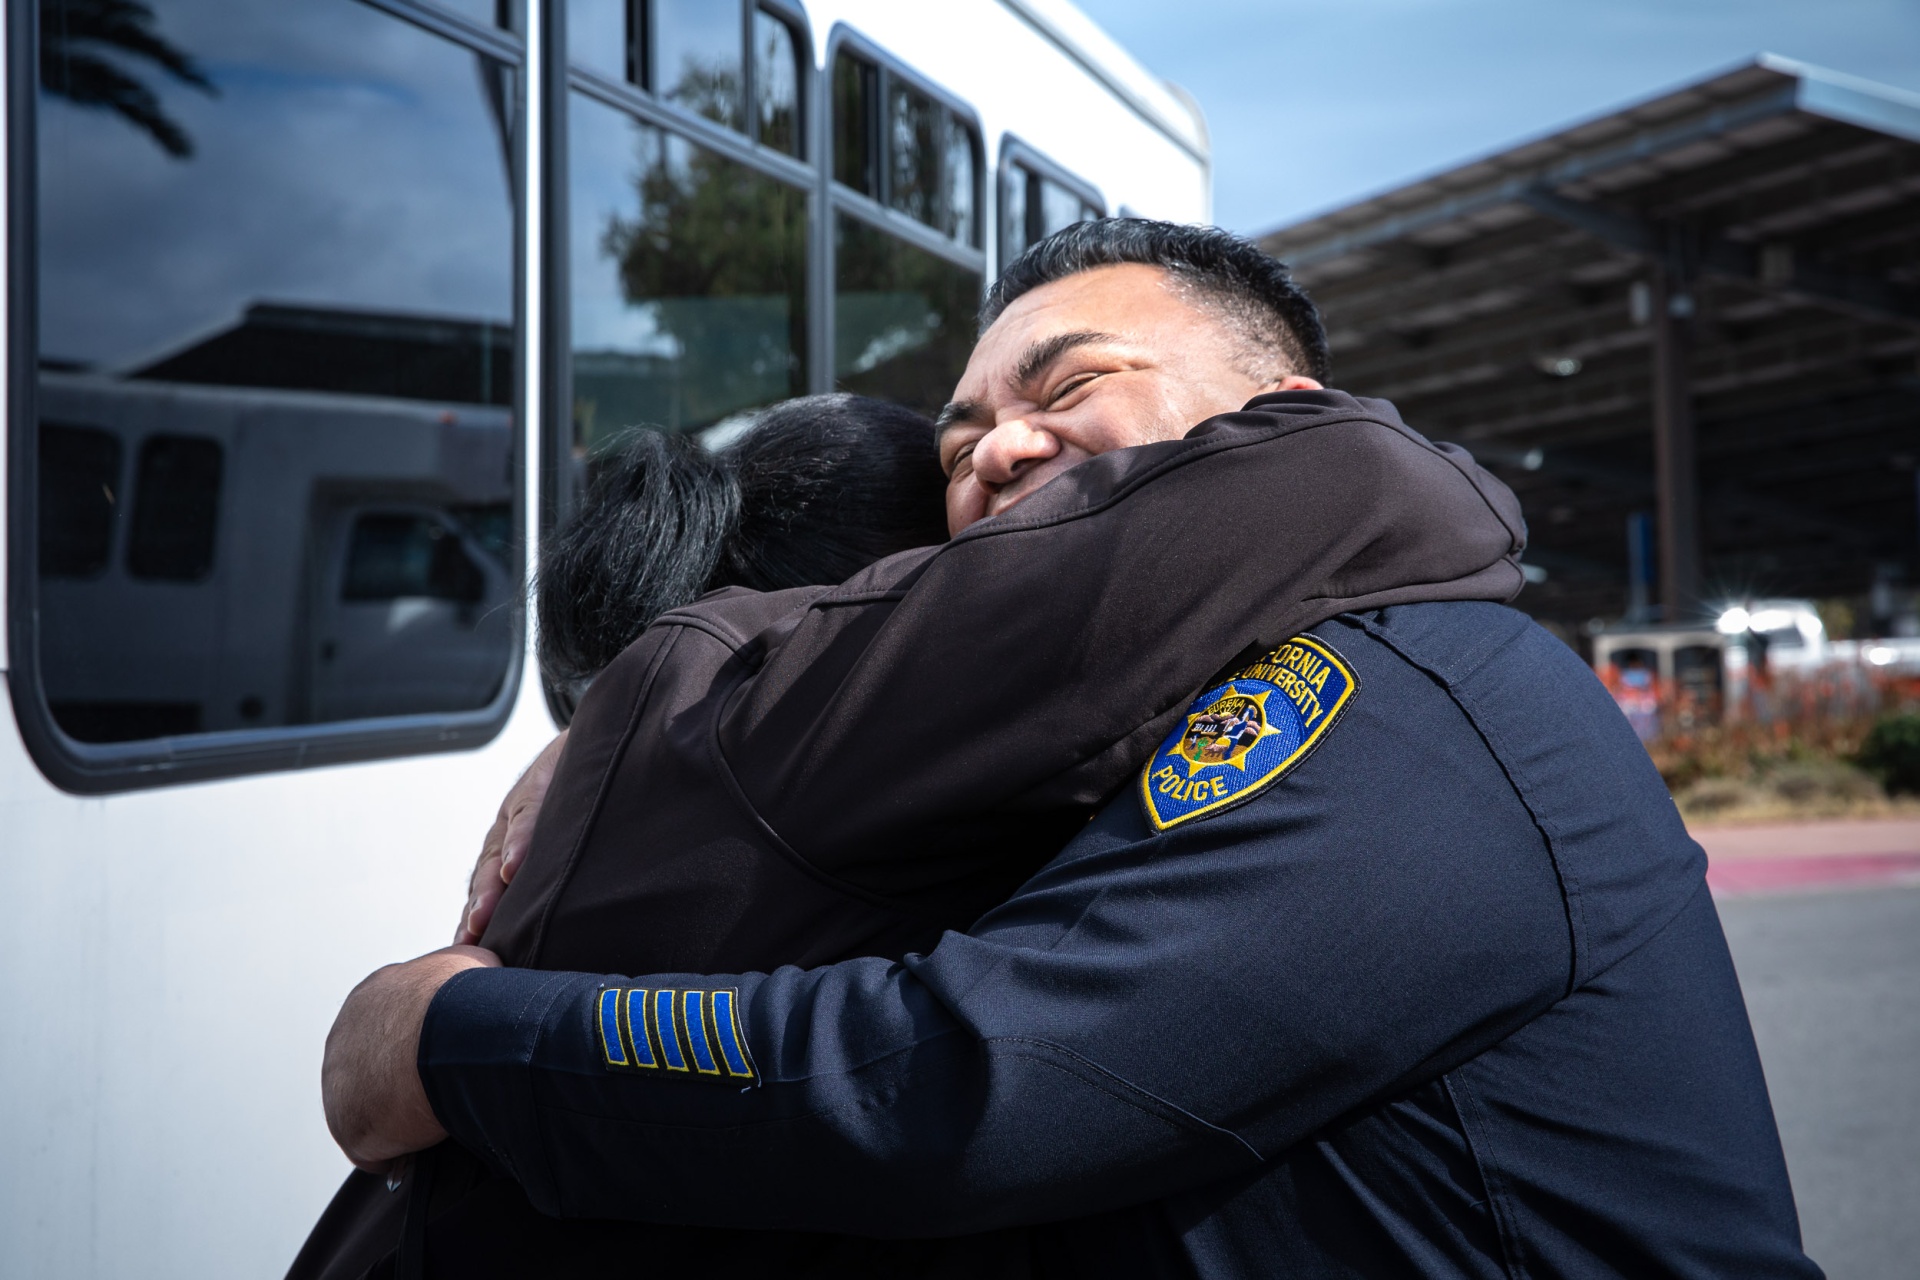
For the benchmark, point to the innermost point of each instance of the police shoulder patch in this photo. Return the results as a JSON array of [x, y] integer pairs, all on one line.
[[673, 1032], [1241, 737]]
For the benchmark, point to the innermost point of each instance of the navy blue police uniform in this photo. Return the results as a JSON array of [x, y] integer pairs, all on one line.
[[1423, 980]]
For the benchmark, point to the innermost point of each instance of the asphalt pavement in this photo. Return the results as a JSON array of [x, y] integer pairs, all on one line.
[[1832, 980]]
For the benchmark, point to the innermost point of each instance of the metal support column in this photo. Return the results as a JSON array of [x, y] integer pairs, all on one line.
[[1676, 481]]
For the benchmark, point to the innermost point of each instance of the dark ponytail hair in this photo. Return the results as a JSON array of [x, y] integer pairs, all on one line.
[[812, 492]]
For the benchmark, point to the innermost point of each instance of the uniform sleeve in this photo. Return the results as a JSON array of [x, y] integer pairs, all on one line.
[[1148, 1015]]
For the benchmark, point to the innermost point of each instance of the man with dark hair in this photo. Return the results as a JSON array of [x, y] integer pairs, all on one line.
[[1424, 982], [1275, 325]]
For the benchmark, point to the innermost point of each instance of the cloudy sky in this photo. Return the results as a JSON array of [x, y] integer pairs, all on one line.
[[348, 160], [1314, 104]]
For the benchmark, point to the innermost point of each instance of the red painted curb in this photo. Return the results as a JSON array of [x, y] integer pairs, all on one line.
[[1738, 877]]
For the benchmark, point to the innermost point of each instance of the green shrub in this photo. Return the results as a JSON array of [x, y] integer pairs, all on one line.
[[1892, 751]]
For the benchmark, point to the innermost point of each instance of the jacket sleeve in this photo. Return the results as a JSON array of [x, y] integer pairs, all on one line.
[[1148, 1015], [1037, 659]]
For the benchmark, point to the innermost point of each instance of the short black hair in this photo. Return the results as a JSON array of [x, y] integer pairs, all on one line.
[[1247, 287], [812, 492]]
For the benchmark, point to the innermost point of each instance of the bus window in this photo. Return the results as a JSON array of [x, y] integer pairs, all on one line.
[[776, 83], [413, 620], [904, 303], [737, 66], [688, 279], [697, 58], [903, 317], [405, 556], [176, 509], [856, 107], [1037, 198], [960, 168], [487, 13], [910, 151], [79, 499], [601, 38], [279, 280]]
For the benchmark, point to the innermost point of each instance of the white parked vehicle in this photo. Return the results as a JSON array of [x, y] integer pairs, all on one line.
[[309, 333]]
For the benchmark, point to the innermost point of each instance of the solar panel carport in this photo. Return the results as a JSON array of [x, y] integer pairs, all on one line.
[[1704, 308]]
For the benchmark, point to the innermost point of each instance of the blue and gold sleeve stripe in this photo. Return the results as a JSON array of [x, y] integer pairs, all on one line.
[[611, 1042], [664, 1026], [673, 1030], [637, 1027], [733, 1045], [695, 1003]]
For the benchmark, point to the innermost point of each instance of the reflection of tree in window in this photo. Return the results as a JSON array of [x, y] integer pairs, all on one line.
[[697, 57], [903, 318], [913, 153], [74, 33], [718, 253]]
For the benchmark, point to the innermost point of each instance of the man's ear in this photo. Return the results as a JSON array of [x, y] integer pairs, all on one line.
[[1292, 382]]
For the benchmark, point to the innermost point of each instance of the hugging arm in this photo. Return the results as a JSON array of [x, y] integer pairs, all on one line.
[[1147, 1015], [1035, 661]]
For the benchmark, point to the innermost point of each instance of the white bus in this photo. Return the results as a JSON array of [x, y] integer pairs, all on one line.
[[311, 311]]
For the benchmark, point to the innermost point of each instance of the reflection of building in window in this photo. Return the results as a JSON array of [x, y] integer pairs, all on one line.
[[369, 353], [1034, 204], [202, 454]]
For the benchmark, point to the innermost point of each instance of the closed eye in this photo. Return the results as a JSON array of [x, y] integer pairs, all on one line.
[[1071, 385]]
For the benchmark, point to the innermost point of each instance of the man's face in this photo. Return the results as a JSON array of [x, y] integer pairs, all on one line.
[[1101, 360]]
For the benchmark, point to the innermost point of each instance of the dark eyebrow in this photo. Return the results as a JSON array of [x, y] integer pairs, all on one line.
[[1044, 352], [959, 412]]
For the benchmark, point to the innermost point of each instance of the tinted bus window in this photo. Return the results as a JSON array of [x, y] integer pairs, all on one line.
[[400, 556], [688, 280], [696, 57], [176, 509], [903, 318], [276, 270], [776, 83], [1034, 206], [958, 171], [600, 37], [79, 499], [855, 113], [914, 151], [910, 150]]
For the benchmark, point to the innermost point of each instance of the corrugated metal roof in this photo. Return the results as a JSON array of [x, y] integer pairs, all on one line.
[[1502, 302]]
